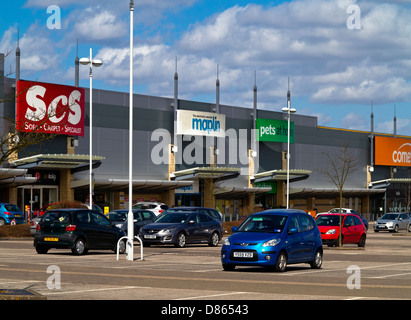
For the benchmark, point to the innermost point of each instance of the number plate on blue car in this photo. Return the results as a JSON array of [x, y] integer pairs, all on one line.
[[242, 254]]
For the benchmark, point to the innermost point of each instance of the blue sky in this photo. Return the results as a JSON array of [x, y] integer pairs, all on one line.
[[335, 70]]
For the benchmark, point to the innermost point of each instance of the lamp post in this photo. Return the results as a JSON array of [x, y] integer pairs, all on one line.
[[288, 110], [92, 63], [130, 218]]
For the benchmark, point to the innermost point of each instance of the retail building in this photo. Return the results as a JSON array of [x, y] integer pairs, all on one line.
[[191, 153]]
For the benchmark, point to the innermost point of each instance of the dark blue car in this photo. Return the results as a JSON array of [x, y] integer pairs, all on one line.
[[274, 238]]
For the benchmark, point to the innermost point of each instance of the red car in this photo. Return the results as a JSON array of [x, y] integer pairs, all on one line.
[[353, 230]]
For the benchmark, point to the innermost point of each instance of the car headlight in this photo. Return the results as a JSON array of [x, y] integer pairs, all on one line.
[[169, 230], [390, 223], [226, 242], [271, 243], [331, 231]]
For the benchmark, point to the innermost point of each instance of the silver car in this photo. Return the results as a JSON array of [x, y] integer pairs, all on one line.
[[393, 222]]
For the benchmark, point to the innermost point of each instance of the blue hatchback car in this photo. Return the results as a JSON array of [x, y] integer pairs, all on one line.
[[10, 214], [274, 238]]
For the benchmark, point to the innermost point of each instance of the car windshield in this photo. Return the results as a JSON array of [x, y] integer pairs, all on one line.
[[178, 217], [264, 223], [118, 216], [389, 216], [328, 220], [57, 216]]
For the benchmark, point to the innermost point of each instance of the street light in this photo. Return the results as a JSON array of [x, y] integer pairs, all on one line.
[[130, 218], [92, 63], [288, 110]]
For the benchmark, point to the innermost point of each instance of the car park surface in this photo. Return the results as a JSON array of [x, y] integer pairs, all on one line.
[[353, 230], [274, 239], [195, 273], [78, 230]]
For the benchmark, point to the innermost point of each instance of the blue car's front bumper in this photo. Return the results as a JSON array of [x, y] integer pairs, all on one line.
[[251, 255]]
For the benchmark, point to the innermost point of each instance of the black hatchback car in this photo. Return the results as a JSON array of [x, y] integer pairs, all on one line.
[[179, 228], [78, 230]]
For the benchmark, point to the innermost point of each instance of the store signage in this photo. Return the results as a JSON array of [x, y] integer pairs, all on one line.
[[274, 130], [197, 123], [50, 108], [192, 189], [394, 152]]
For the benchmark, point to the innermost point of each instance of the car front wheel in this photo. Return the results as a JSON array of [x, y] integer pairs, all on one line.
[[181, 240], [215, 239], [281, 263]]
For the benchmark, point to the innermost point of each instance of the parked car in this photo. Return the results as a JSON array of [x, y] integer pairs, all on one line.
[[37, 217], [10, 214], [39, 213], [213, 213], [393, 222], [78, 230], [141, 217], [156, 207], [180, 228], [353, 230], [347, 210], [274, 239]]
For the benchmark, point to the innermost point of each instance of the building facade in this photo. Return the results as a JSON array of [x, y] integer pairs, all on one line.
[[190, 153]]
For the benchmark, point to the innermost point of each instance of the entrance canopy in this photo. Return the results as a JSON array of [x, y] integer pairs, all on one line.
[[332, 192], [215, 173], [138, 185], [75, 162], [281, 175], [239, 192], [15, 177]]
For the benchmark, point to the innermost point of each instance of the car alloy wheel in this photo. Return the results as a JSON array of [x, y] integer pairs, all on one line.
[[317, 261], [215, 239], [181, 240], [281, 263]]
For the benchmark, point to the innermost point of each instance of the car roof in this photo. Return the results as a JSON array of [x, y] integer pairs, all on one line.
[[281, 211]]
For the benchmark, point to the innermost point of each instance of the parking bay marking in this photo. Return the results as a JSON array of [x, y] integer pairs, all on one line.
[[151, 277]]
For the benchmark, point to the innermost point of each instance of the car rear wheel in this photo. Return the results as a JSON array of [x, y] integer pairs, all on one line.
[[281, 263], [181, 240], [42, 249], [79, 248], [215, 239], [362, 241], [318, 260]]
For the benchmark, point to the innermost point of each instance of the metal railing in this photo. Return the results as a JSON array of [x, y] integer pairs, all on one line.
[[128, 240]]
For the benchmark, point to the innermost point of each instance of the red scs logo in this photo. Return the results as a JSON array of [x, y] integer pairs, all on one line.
[[50, 108]]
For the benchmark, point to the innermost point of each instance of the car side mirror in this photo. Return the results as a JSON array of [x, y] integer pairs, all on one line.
[[234, 229], [292, 230]]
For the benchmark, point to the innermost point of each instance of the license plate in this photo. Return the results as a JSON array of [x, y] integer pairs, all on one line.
[[243, 254], [51, 239], [17, 215], [149, 236]]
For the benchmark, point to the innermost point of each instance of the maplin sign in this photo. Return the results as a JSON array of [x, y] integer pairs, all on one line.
[[50, 108], [197, 123]]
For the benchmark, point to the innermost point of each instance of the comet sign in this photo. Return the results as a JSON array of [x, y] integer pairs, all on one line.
[[50, 108]]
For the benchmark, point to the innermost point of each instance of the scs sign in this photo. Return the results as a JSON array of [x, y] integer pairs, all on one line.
[[50, 108]]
